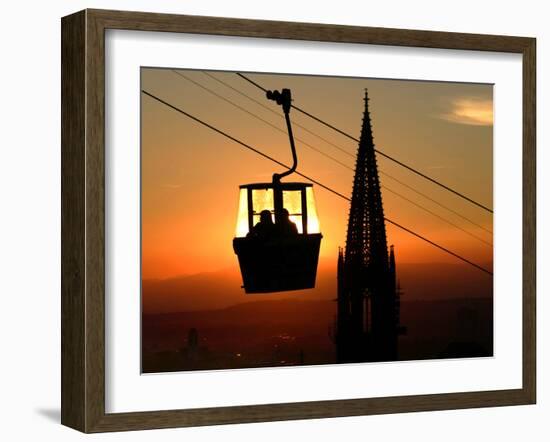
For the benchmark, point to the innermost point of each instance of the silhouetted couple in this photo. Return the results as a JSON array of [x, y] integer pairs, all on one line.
[[266, 229]]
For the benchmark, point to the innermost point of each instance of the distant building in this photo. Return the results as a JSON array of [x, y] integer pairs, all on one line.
[[191, 352], [193, 338]]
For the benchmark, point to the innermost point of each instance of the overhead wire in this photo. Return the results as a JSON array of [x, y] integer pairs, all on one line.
[[221, 97], [232, 103], [411, 188], [226, 84], [259, 152], [294, 123], [400, 163], [437, 216]]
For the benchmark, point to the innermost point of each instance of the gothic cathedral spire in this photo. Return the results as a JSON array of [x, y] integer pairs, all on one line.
[[367, 328]]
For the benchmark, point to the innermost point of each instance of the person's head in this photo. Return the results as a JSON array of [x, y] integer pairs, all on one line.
[[265, 217], [286, 215]]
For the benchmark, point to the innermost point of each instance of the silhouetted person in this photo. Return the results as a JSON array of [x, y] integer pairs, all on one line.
[[265, 228], [287, 227]]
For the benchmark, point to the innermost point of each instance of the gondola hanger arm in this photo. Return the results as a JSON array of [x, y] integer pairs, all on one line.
[[284, 99]]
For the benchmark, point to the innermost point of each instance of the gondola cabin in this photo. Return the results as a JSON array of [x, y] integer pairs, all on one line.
[[278, 237]]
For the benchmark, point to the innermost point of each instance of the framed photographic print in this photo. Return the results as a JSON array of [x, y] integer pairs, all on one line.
[[268, 221]]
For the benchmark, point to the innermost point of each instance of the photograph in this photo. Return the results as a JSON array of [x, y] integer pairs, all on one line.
[[244, 221], [299, 220]]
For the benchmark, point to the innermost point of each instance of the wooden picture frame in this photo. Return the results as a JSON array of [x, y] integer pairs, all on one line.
[[83, 220]]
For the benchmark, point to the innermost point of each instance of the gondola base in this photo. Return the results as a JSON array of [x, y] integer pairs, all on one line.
[[279, 264]]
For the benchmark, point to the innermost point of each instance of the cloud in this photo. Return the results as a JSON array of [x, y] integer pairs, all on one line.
[[472, 111]]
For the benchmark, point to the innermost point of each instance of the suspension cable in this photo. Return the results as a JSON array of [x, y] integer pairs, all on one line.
[[257, 151], [232, 103], [400, 163], [346, 152]]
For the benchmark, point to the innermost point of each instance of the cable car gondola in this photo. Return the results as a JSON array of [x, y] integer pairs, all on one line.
[[278, 236]]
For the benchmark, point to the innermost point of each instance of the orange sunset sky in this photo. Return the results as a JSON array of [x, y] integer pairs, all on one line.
[[191, 175]]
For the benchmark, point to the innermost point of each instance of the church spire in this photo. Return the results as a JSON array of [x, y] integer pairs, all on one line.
[[366, 243], [366, 273]]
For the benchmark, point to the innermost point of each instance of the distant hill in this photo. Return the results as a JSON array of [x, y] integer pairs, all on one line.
[[204, 291], [258, 329], [222, 289], [438, 281], [216, 290]]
